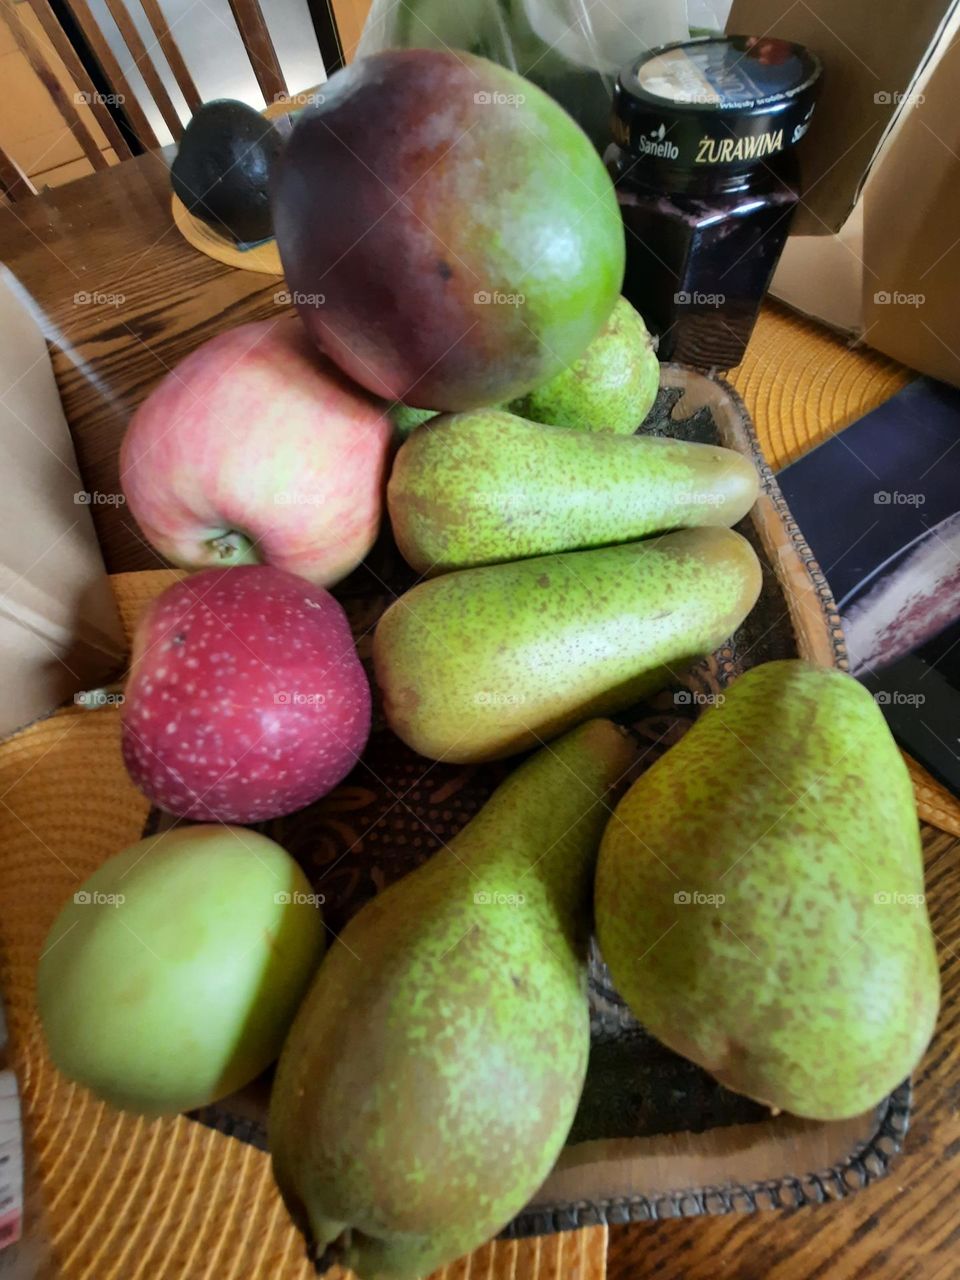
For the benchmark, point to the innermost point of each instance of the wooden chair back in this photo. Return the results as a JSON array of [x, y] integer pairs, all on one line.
[[37, 56], [250, 24], [14, 183]]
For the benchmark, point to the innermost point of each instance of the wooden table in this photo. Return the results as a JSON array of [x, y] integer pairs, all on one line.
[[152, 299], [122, 298]]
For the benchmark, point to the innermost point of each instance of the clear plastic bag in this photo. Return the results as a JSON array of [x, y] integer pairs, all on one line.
[[572, 49]]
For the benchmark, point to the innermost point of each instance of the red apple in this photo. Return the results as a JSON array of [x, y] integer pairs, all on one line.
[[246, 698], [256, 449]]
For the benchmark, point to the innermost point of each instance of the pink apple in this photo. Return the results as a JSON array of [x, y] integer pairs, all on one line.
[[246, 698], [255, 449]]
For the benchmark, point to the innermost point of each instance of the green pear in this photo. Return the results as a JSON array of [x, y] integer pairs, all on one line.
[[611, 387], [432, 1073], [487, 662], [482, 487], [759, 897], [406, 419]]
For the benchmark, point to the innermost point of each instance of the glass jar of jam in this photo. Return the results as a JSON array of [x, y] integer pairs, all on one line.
[[707, 180]]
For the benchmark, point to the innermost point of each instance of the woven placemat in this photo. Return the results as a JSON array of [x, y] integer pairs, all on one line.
[[127, 1198], [801, 383], [264, 257]]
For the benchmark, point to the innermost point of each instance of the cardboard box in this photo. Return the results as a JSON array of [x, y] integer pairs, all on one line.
[[59, 627], [875, 248]]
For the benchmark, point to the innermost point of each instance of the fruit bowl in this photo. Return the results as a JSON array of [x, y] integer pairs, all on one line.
[[654, 1135]]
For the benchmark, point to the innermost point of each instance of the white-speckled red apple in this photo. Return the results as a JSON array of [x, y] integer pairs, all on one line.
[[246, 698]]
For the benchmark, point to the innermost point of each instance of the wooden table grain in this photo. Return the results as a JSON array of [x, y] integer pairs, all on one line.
[[122, 298]]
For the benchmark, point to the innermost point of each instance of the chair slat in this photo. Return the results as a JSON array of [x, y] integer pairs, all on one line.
[[80, 77], [83, 16], [260, 50], [171, 52], [350, 17], [13, 181], [151, 77], [27, 44]]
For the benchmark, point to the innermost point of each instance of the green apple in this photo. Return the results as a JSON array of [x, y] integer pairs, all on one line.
[[171, 977]]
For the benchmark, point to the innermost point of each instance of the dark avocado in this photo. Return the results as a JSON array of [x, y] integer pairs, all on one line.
[[221, 169]]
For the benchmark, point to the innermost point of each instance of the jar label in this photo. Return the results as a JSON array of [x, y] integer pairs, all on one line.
[[720, 73], [731, 150], [675, 76]]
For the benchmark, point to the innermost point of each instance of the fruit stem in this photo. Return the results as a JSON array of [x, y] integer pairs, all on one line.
[[233, 547]]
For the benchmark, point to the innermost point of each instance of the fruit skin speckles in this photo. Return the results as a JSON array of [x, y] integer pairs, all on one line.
[[776, 931], [508, 655], [246, 698], [451, 1029]]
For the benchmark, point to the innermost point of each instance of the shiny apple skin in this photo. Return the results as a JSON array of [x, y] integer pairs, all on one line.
[[256, 449]]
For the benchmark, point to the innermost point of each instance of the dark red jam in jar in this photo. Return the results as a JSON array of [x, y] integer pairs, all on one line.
[[707, 180]]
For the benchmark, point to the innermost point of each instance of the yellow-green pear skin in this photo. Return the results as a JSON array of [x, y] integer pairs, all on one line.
[[406, 419], [760, 900], [480, 488], [483, 663], [611, 387], [432, 1074]]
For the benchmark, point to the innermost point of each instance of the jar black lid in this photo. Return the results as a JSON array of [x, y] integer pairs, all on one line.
[[722, 103]]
